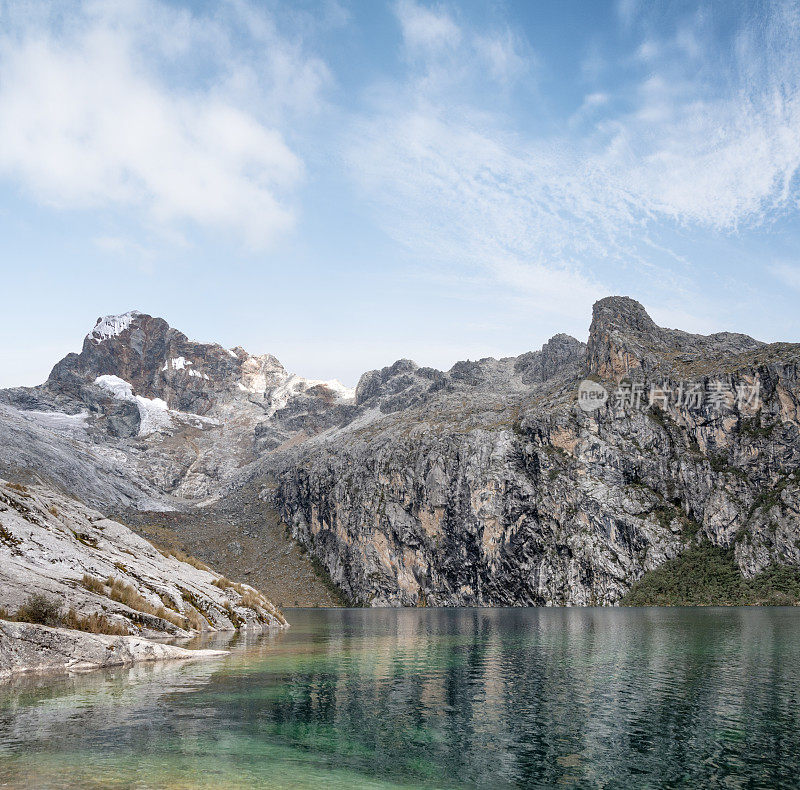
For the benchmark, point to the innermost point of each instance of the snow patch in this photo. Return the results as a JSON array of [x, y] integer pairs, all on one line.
[[176, 363], [297, 385], [118, 387], [181, 363], [154, 416], [111, 326], [261, 374], [336, 386]]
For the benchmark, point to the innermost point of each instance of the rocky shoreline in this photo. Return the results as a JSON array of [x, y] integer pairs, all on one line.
[[27, 648], [79, 591]]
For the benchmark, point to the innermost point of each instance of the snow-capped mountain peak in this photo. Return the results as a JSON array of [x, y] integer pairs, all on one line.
[[112, 325]]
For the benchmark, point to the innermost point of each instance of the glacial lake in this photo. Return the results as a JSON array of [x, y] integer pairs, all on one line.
[[362, 698]]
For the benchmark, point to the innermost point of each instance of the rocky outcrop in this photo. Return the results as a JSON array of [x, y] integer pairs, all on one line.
[[96, 567], [26, 648], [560, 354], [624, 339], [528, 499]]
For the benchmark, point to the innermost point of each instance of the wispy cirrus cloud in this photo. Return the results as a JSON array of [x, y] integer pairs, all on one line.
[[713, 133], [701, 133], [145, 107], [426, 31], [444, 54]]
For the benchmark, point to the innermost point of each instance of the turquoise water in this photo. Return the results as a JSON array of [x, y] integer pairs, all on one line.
[[584, 698]]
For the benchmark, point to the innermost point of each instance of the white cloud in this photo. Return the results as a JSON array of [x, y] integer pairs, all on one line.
[[425, 31], [717, 143], [445, 54], [627, 11], [96, 111], [502, 52], [457, 194]]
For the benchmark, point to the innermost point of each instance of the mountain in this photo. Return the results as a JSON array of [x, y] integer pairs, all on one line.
[[561, 476], [516, 495], [179, 416]]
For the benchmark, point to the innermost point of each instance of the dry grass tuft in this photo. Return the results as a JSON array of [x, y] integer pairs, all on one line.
[[258, 602], [95, 624], [93, 585], [126, 594], [196, 620], [40, 609], [171, 617], [182, 556], [194, 562], [47, 611]]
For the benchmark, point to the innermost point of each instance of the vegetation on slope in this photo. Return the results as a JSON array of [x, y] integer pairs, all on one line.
[[40, 609], [707, 575]]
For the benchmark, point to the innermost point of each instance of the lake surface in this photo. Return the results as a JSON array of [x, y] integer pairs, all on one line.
[[584, 698]]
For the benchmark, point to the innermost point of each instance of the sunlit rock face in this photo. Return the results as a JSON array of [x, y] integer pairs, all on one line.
[[75, 556], [26, 648]]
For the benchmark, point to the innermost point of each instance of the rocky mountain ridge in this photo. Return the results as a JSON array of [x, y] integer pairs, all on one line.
[[488, 484], [180, 416], [529, 500]]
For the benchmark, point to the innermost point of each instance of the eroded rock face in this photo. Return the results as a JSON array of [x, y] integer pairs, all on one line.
[[623, 339], [561, 353], [177, 417], [535, 501]]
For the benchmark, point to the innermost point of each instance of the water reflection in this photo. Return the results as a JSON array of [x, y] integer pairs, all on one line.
[[491, 698]]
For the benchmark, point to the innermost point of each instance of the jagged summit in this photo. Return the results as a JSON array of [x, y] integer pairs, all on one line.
[[483, 484], [159, 361], [623, 338], [623, 313]]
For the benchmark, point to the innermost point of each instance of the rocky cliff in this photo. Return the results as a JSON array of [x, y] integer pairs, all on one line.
[[171, 418], [501, 495]]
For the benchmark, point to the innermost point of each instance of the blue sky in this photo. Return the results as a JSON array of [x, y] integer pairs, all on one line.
[[342, 184]]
